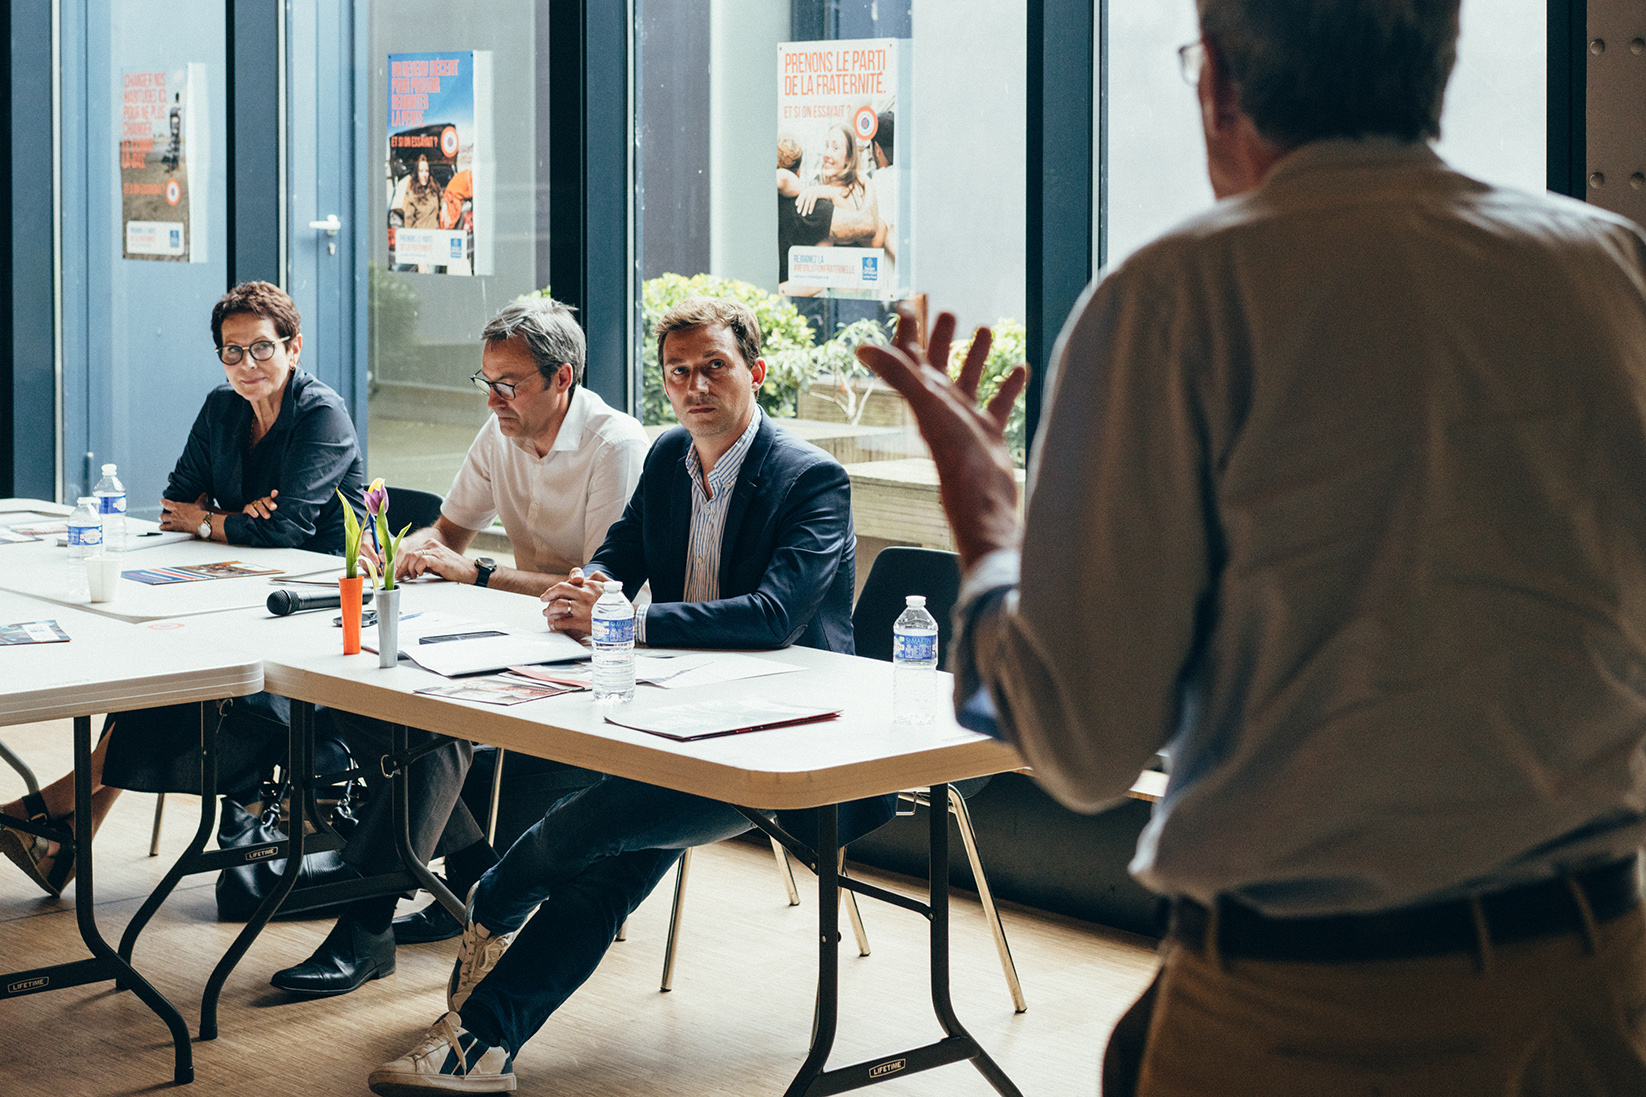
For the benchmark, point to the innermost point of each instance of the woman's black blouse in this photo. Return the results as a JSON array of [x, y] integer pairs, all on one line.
[[308, 454]]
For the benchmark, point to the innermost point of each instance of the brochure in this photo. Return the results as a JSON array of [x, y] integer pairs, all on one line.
[[497, 690], [723, 716], [13, 537], [32, 632], [192, 573]]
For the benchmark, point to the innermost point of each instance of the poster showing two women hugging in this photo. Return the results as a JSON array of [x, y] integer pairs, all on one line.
[[842, 200]]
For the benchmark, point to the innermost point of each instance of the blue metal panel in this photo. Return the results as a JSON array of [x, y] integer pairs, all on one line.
[[29, 403], [1061, 172], [254, 182], [137, 345], [321, 174]]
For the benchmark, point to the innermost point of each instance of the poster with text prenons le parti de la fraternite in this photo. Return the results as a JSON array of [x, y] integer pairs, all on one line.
[[842, 168]]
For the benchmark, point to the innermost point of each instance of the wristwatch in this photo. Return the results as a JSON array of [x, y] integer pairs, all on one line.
[[203, 530], [484, 566]]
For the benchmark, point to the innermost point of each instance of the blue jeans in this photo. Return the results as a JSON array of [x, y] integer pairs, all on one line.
[[589, 862]]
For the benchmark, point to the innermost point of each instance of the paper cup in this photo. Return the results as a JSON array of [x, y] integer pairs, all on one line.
[[103, 577]]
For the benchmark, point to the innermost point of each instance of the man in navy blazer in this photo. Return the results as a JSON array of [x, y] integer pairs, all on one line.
[[745, 534]]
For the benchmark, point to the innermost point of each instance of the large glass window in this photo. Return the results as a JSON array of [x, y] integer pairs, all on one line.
[[903, 123], [458, 188], [1493, 126]]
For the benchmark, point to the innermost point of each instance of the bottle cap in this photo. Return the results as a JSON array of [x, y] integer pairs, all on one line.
[[613, 586], [89, 500], [916, 600], [108, 470]]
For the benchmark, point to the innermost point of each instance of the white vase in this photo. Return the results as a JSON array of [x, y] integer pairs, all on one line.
[[388, 627]]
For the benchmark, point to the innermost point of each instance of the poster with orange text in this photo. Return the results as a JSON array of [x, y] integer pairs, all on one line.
[[440, 161], [843, 225], [165, 159]]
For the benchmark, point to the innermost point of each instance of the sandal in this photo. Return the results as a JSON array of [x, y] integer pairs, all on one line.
[[28, 851]]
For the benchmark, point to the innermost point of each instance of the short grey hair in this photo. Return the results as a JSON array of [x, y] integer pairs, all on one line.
[[1309, 70], [549, 332]]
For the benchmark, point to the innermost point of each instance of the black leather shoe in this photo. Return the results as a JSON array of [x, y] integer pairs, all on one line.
[[432, 923], [345, 960]]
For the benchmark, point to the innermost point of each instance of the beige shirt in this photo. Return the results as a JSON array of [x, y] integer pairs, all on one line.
[[557, 508], [1340, 496]]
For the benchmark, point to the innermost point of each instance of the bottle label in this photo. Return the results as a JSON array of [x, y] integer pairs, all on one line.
[[613, 630], [914, 647], [111, 504], [85, 535]]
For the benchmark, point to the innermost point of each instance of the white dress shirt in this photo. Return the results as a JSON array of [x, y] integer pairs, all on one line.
[[556, 508], [1341, 495]]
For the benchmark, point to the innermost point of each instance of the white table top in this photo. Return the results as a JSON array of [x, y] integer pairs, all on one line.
[[111, 666], [861, 753], [39, 569]]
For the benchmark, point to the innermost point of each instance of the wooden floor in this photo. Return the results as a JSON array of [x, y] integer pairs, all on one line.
[[736, 1023]]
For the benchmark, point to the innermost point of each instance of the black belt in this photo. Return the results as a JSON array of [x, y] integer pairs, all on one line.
[[1543, 909]]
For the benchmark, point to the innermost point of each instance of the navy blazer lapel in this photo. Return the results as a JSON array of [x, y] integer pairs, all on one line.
[[680, 523], [748, 483]]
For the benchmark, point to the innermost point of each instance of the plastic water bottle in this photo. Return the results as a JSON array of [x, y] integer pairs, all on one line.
[[914, 663], [613, 636], [85, 540], [111, 508]]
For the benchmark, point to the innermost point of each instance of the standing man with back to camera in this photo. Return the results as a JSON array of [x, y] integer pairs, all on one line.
[[1340, 499]]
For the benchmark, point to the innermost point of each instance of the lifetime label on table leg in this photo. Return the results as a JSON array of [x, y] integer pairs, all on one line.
[[262, 854], [890, 1066], [23, 985]]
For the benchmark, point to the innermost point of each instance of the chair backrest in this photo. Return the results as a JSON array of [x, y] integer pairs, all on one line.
[[900, 571], [420, 508]]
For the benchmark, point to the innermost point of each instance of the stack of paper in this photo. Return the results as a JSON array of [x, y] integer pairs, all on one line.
[[455, 646]]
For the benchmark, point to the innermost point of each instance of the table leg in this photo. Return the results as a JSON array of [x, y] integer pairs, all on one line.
[[814, 1080], [111, 965], [400, 802], [211, 721], [826, 1012], [299, 772], [942, 1004]]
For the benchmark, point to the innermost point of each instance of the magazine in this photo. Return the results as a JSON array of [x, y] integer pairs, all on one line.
[[33, 632]]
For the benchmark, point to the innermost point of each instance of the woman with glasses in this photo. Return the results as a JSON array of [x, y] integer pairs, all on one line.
[[262, 466], [271, 447]]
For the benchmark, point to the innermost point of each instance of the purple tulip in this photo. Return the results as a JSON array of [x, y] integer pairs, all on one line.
[[377, 498]]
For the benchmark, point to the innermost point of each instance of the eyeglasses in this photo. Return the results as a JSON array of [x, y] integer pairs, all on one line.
[[505, 389], [1190, 59], [261, 351]]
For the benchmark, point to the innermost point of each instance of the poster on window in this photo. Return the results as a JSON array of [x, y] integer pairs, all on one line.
[[842, 166], [440, 162], [165, 158]]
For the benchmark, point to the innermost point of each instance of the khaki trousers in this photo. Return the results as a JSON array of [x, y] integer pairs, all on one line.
[[1545, 1017]]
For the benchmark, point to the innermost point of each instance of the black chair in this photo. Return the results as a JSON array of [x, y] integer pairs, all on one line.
[[897, 573], [420, 508]]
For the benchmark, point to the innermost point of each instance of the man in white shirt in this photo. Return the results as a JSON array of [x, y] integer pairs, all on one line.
[[558, 465], [554, 461], [1338, 500]]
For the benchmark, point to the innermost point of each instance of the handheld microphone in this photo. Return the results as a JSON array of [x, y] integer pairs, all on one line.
[[283, 602]]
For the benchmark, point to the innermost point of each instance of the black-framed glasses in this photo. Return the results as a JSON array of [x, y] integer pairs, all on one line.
[[505, 389], [260, 351], [1190, 59]]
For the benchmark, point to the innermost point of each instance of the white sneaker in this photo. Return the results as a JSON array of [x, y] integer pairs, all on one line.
[[449, 1059], [477, 953]]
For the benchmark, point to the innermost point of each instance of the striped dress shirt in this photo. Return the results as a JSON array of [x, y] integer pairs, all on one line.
[[710, 505]]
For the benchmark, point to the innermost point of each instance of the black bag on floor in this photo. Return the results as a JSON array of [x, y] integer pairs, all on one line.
[[241, 890]]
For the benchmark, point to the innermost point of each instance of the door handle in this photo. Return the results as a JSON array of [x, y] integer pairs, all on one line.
[[331, 224]]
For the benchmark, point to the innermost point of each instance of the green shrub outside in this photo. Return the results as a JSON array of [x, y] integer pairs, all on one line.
[[795, 361]]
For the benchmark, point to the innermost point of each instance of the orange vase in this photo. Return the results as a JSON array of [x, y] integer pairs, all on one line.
[[349, 592]]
